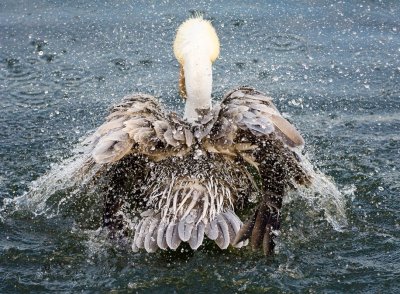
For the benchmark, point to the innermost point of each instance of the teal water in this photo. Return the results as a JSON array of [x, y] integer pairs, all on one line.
[[333, 67]]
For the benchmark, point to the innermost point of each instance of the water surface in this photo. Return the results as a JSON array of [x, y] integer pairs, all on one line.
[[333, 68]]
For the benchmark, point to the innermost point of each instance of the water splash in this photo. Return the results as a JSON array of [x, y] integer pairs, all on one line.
[[66, 185], [58, 188], [322, 195]]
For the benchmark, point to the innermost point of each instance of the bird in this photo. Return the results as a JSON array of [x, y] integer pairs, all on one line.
[[219, 172]]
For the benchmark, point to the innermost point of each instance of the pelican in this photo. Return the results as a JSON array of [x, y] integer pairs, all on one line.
[[168, 179]]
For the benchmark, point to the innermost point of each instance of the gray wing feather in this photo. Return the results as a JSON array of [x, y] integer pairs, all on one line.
[[254, 112], [139, 125]]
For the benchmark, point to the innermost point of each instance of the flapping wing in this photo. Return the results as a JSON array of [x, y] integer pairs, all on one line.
[[247, 110], [249, 126], [136, 129], [139, 125]]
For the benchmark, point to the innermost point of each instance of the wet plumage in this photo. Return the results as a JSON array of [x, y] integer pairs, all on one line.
[[169, 181]]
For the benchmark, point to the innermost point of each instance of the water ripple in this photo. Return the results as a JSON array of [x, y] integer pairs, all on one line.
[[70, 77], [28, 93], [286, 42], [14, 69]]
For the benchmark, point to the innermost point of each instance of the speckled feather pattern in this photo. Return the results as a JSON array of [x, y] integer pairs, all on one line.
[[192, 180]]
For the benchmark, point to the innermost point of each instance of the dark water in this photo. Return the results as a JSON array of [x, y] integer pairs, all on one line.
[[334, 68]]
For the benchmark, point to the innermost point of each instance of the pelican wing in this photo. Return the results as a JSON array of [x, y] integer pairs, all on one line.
[[139, 125], [136, 130], [250, 128], [248, 110], [249, 125]]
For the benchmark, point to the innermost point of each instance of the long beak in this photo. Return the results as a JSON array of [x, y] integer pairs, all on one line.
[[182, 86]]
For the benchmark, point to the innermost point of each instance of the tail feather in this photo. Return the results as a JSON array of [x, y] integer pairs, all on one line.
[[223, 238], [186, 225], [212, 230], [161, 237], [187, 210], [153, 233], [197, 236], [150, 241]]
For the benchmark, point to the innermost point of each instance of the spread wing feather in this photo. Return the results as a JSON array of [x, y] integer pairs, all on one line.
[[245, 125], [251, 111], [250, 126], [139, 125]]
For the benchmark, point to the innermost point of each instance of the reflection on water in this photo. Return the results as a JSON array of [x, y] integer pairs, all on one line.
[[332, 67]]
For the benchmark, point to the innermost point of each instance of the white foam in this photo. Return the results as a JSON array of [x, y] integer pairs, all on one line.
[[42, 197], [322, 195]]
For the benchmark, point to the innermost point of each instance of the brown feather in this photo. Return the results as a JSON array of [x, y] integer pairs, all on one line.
[[268, 243], [157, 158], [182, 83], [291, 136], [258, 229], [246, 230]]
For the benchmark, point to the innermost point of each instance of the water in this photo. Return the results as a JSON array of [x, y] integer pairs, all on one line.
[[333, 68]]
